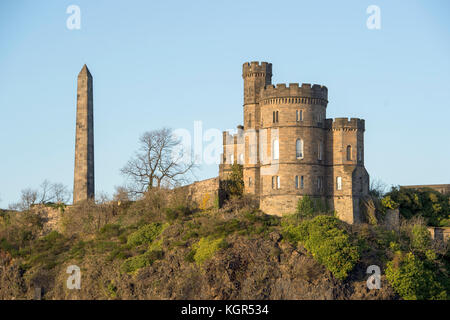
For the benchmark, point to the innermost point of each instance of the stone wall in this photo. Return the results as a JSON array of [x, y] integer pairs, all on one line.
[[205, 193], [440, 233], [442, 188], [51, 217]]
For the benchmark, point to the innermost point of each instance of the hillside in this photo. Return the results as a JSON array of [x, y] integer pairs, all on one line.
[[163, 248]]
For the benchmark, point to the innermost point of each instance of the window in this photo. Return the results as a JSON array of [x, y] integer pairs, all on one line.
[[241, 158], [249, 181], [275, 117], [319, 118], [349, 153], [275, 150], [339, 183], [301, 182], [299, 148], [320, 150], [296, 182], [299, 115], [319, 183], [249, 119], [232, 158], [275, 182]]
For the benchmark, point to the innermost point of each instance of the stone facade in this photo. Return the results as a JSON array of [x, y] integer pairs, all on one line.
[[289, 149], [83, 187]]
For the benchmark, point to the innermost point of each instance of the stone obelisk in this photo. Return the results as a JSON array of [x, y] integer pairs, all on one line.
[[83, 186]]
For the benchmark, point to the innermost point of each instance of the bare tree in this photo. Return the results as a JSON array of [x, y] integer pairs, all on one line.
[[121, 194], [157, 163], [28, 197], [60, 193], [377, 188], [48, 192]]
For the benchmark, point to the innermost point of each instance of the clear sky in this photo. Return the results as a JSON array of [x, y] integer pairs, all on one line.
[[170, 63]]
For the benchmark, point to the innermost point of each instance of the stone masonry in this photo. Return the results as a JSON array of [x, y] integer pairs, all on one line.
[[289, 149], [83, 187]]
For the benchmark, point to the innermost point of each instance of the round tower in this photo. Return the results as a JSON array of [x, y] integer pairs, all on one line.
[[293, 138]]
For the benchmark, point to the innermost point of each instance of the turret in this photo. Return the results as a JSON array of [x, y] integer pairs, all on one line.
[[255, 76]]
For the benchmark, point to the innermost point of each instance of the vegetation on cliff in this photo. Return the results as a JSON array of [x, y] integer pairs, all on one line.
[[163, 247]]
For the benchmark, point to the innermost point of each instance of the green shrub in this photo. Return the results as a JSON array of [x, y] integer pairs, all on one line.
[[145, 234], [109, 231], [190, 256], [414, 279], [205, 248], [133, 264], [420, 238], [305, 207], [328, 243], [430, 204], [233, 187], [177, 212]]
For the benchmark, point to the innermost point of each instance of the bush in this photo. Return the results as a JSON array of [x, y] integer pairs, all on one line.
[[133, 264], [205, 248], [328, 243], [420, 238], [146, 234], [180, 211], [305, 207], [430, 204], [414, 279], [109, 231], [233, 187]]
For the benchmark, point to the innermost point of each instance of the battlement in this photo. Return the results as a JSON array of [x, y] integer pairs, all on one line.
[[345, 123], [256, 68], [295, 90]]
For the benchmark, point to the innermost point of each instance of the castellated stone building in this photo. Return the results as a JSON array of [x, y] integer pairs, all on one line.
[[83, 186], [289, 149]]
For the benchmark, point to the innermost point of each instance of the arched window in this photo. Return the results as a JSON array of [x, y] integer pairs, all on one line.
[[275, 150], [299, 115], [339, 183], [299, 148], [349, 152]]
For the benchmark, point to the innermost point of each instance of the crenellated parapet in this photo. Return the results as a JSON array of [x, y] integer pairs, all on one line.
[[256, 69], [304, 93], [345, 124]]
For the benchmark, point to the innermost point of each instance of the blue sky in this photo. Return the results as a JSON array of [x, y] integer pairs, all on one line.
[[170, 63]]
